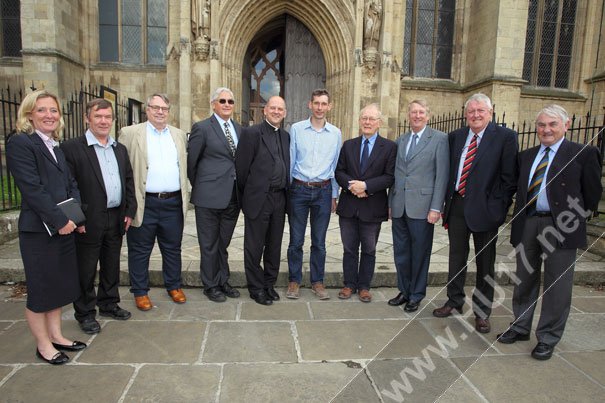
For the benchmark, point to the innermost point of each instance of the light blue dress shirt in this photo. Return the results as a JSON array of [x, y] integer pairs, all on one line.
[[542, 201], [419, 134], [109, 168], [314, 154], [162, 160], [370, 144]]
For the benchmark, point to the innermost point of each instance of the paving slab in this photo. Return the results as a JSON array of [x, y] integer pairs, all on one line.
[[583, 332], [249, 342], [591, 363], [175, 383], [278, 311], [458, 339], [358, 310], [204, 311], [135, 341], [12, 310], [499, 380], [308, 382], [67, 384]]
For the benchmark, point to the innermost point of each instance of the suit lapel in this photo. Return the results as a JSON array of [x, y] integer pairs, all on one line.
[[559, 162], [525, 170], [94, 161], [424, 141], [218, 130], [459, 141], [141, 140], [40, 144], [485, 144], [377, 149]]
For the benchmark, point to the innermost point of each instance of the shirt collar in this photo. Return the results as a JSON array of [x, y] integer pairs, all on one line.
[[92, 140], [372, 139], [554, 148], [46, 139], [420, 133], [220, 120], [308, 125], [274, 128], [152, 128]]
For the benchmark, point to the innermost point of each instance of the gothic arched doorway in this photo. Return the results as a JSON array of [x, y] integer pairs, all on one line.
[[283, 59]]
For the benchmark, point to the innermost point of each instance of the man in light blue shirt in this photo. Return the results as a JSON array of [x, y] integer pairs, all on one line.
[[314, 149]]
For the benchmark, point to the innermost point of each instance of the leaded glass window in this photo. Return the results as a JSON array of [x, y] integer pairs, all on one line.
[[133, 31], [549, 42], [428, 38], [10, 22]]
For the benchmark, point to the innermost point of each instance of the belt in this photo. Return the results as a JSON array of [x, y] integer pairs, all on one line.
[[312, 184], [164, 195], [542, 214]]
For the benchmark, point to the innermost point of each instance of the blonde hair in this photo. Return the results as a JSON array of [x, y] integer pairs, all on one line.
[[28, 104]]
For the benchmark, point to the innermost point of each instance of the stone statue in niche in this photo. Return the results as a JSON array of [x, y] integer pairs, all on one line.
[[200, 28], [371, 31]]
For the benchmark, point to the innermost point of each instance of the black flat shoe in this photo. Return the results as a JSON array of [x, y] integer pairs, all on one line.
[[230, 291], [511, 336], [75, 346], [58, 359], [411, 306], [272, 294], [261, 298], [215, 294], [542, 351], [400, 299], [90, 326], [116, 313]]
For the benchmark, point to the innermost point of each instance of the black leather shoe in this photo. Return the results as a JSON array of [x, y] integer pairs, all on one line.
[[542, 351], [90, 326], [445, 311], [58, 359], [115, 313], [215, 294], [272, 294], [511, 336], [261, 297], [411, 306], [230, 291], [400, 299], [75, 346]]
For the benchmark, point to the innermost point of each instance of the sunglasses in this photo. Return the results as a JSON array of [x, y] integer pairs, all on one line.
[[223, 101]]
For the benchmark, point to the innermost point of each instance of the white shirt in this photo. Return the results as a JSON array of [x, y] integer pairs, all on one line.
[[162, 160]]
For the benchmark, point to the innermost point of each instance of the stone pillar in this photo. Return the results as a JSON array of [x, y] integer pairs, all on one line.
[[51, 45], [185, 67], [356, 84]]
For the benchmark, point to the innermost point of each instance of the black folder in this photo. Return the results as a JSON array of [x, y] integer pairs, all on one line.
[[71, 208]]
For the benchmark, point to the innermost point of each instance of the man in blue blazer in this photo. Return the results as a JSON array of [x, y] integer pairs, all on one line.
[[481, 186], [211, 171], [416, 203], [559, 188], [364, 172]]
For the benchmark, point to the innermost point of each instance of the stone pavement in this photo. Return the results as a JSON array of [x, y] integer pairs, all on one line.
[[303, 351]]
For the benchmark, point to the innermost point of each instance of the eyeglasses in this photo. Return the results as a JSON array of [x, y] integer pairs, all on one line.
[[157, 108], [223, 101], [368, 119]]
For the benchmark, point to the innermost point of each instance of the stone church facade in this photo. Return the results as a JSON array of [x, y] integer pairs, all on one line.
[[524, 54]]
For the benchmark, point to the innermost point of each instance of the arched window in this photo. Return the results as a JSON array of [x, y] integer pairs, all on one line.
[[549, 42], [428, 38], [10, 22], [133, 31]]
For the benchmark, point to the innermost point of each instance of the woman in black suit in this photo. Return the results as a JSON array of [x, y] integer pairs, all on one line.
[[44, 179]]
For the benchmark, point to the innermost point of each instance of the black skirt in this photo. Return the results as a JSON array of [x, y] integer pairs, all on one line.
[[51, 270]]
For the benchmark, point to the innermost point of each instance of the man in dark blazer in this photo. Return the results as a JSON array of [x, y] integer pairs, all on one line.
[[364, 172], [102, 169], [480, 189], [416, 203], [211, 171], [262, 165], [559, 188]]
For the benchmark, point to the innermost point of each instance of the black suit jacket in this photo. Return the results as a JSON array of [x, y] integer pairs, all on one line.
[[573, 186], [254, 165], [84, 165], [492, 180], [42, 181], [379, 176], [210, 165]]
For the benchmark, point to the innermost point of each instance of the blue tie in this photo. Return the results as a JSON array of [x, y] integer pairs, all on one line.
[[412, 146], [364, 156]]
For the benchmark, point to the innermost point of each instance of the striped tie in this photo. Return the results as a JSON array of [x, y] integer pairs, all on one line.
[[536, 182], [468, 162], [230, 139]]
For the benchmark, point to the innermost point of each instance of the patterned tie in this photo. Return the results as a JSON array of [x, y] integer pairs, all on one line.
[[364, 156], [412, 145], [468, 162], [230, 139], [536, 181]]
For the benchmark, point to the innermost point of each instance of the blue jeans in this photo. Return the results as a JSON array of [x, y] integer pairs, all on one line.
[[317, 201]]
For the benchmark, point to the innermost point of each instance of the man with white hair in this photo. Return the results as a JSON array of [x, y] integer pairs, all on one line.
[[559, 188]]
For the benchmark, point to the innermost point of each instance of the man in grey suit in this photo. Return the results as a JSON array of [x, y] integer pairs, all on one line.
[[416, 202], [211, 171]]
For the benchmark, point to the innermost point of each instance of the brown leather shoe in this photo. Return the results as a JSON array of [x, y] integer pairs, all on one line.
[[365, 296], [319, 290], [445, 311], [177, 296], [292, 292], [143, 302], [482, 325], [345, 293]]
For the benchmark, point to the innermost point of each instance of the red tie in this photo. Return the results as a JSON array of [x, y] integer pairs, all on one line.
[[468, 162]]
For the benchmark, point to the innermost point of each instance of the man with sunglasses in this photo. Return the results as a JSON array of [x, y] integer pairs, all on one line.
[[211, 171], [158, 153]]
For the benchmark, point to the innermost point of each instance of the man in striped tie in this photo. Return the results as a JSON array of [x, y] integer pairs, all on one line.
[[559, 188], [480, 190]]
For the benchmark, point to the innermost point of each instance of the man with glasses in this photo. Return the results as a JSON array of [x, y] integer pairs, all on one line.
[[365, 171], [314, 148], [211, 171], [480, 190], [158, 153]]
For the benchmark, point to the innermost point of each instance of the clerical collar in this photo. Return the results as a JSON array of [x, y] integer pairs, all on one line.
[[274, 128]]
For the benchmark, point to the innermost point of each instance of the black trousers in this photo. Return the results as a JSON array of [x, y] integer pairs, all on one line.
[[101, 244], [214, 231], [485, 257], [262, 239]]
